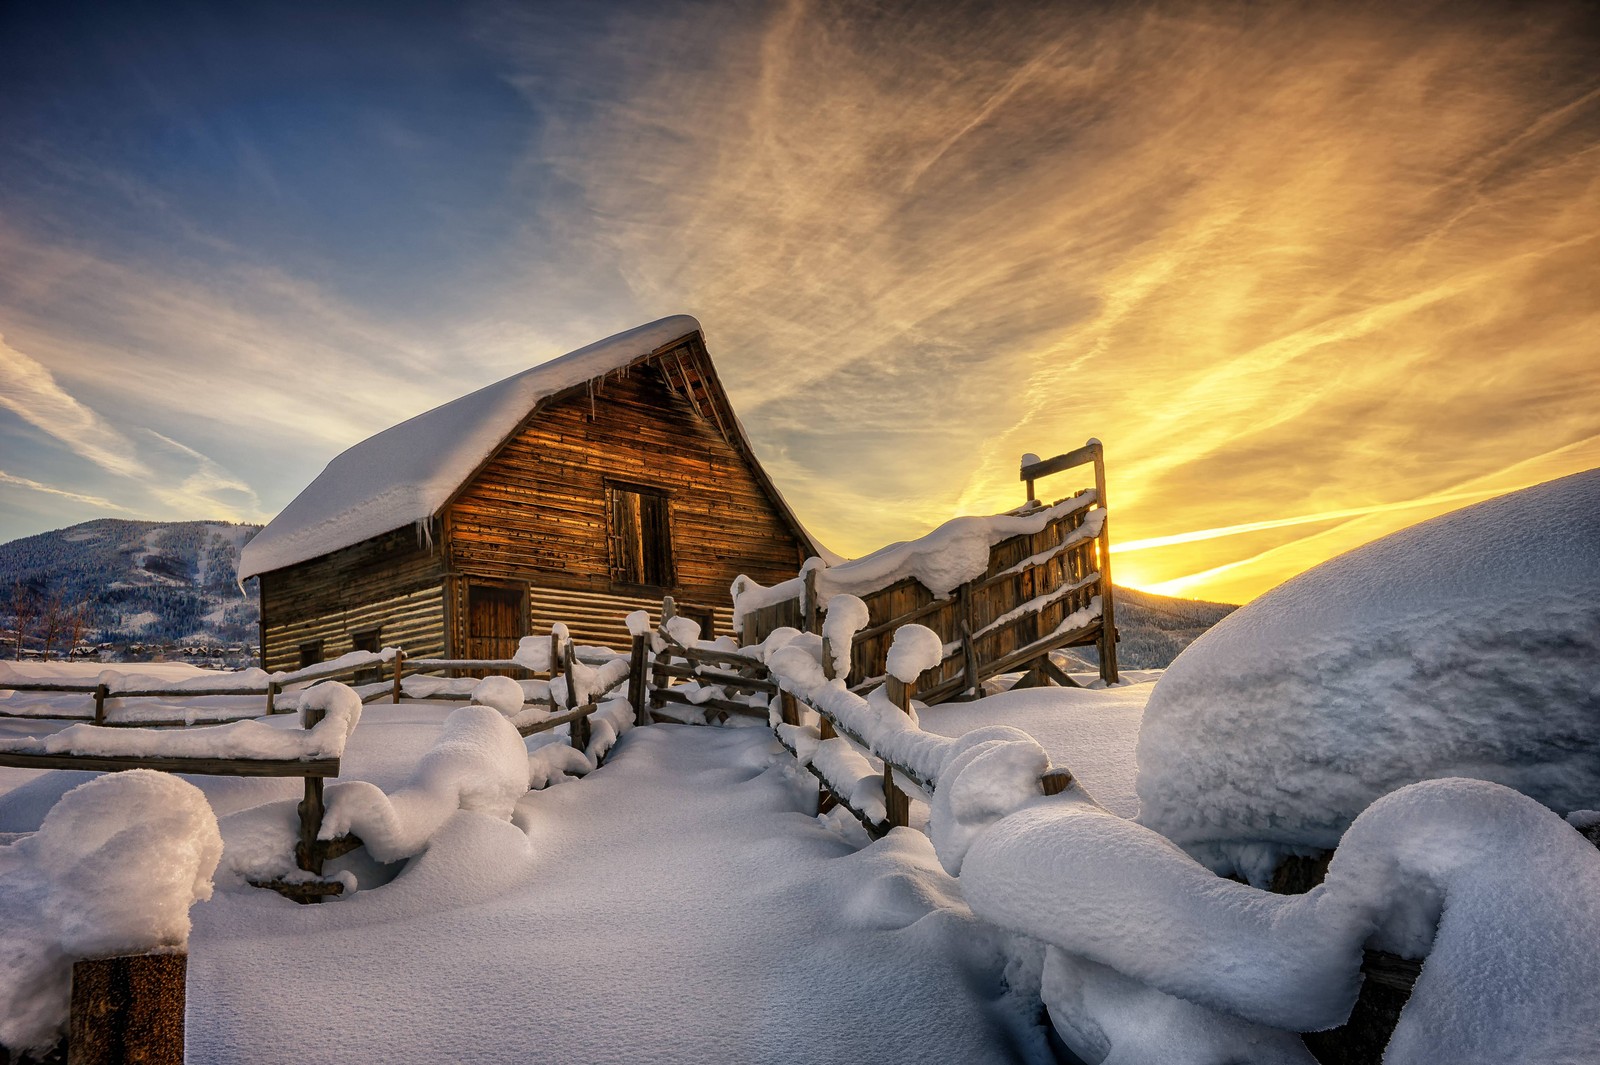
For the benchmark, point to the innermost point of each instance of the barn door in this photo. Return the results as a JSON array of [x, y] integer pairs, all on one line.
[[497, 618]]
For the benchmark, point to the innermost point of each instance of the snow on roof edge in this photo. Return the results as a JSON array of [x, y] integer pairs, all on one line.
[[404, 474]]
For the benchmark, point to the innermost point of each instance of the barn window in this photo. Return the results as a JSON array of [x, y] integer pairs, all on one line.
[[640, 536], [369, 640], [310, 653]]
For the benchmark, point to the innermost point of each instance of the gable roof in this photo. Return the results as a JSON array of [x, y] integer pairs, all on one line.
[[409, 472]]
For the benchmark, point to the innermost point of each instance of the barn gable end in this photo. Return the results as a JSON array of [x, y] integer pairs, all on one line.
[[527, 538]]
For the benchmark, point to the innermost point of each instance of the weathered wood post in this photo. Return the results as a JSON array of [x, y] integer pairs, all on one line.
[[100, 692], [1108, 614], [896, 803], [570, 659], [307, 853], [789, 708], [272, 694], [399, 670], [127, 1009], [637, 681], [809, 612]]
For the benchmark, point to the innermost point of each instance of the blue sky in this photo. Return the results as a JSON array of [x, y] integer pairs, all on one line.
[[1312, 272]]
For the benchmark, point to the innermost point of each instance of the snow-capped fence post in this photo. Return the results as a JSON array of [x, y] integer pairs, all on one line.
[[637, 681], [100, 692], [307, 853], [128, 1009], [399, 670]]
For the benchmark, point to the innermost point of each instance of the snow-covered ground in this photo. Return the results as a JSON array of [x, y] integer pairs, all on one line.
[[682, 904]]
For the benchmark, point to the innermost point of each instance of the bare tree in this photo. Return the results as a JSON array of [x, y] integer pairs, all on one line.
[[77, 625], [52, 620], [24, 611]]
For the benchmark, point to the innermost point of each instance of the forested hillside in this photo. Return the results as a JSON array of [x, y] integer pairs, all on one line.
[[162, 582]]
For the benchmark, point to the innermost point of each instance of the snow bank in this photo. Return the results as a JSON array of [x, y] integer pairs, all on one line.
[[1468, 645], [112, 870], [1499, 893], [479, 763], [404, 474], [240, 739], [349, 660]]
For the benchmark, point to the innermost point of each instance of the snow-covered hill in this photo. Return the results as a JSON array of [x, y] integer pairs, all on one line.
[[146, 580]]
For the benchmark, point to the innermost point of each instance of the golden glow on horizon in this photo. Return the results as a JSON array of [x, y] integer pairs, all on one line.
[[1307, 281]]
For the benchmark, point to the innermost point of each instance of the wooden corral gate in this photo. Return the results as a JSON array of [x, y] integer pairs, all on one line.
[[1040, 592]]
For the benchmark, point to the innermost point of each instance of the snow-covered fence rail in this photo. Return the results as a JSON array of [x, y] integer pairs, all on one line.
[[866, 751], [113, 684], [1001, 591], [241, 748]]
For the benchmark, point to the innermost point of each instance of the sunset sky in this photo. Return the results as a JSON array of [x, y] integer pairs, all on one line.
[[1312, 272]]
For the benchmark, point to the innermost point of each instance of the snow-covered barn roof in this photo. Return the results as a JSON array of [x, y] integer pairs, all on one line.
[[408, 472]]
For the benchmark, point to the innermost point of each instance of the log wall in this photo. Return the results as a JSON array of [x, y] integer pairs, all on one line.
[[390, 582]]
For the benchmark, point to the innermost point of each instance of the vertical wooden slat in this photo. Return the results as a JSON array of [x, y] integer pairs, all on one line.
[[637, 680], [127, 1009], [1108, 616]]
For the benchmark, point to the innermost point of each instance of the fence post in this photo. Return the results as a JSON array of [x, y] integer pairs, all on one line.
[[100, 692], [789, 708], [399, 668], [571, 658], [580, 732], [896, 803], [809, 607], [1108, 614], [307, 853], [127, 1009], [636, 681], [272, 692]]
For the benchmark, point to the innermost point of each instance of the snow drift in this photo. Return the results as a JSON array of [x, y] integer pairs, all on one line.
[[1468, 646], [1151, 950]]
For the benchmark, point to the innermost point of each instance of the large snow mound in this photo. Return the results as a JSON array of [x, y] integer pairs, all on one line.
[[1465, 646], [407, 472]]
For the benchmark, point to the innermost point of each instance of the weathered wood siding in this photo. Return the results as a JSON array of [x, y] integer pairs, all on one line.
[[536, 513], [389, 582]]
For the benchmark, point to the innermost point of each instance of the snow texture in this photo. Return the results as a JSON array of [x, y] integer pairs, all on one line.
[[502, 693], [683, 905], [914, 650], [1468, 645], [533, 652], [1091, 731], [478, 764], [112, 870], [1498, 893], [267, 738], [404, 474]]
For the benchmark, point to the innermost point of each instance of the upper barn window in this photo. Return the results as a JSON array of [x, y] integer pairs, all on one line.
[[640, 535]]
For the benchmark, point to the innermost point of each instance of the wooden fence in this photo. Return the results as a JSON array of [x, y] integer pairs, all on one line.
[[1040, 592]]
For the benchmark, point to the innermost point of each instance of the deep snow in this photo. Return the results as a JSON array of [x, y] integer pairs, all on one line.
[[1468, 645]]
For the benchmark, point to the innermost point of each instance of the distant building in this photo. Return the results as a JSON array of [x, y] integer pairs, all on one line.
[[577, 491]]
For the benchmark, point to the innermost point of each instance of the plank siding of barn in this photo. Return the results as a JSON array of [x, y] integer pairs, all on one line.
[[390, 583], [536, 514]]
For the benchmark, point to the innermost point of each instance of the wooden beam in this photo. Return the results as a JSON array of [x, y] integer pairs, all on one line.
[[230, 767]]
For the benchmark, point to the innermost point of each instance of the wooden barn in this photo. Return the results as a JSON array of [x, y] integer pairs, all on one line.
[[576, 491]]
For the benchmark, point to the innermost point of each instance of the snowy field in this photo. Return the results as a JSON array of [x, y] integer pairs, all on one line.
[[680, 904]]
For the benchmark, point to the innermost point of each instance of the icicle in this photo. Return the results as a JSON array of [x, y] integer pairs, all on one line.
[[425, 533]]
